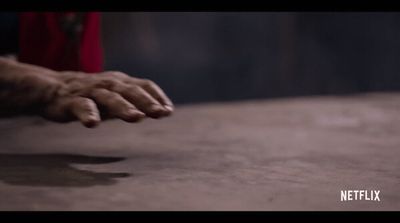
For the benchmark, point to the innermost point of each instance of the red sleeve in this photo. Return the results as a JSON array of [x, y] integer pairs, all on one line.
[[46, 40]]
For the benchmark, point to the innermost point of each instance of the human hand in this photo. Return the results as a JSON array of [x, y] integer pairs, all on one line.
[[89, 98]]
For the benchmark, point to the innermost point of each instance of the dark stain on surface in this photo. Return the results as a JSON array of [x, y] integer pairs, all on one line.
[[55, 170]]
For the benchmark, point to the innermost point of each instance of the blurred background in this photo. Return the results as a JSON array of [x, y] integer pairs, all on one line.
[[223, 56]]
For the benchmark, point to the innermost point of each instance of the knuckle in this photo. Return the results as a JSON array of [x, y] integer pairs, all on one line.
[[105, 95], [148, 83], [112, 94], [85, 103], [133, 88], [99, 91], [88, 102], [113, 98], [116, 74], [105, 83]]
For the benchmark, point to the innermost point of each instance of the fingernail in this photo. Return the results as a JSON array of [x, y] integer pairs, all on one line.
[[92, 120], [169, 107], [157, 108], [133, 115], [91, 123], [136, 112]]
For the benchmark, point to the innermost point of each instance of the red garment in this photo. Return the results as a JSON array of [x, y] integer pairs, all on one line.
[[44, 41]]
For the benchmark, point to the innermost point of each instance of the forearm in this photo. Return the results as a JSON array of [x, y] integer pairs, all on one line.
[[24, 87]]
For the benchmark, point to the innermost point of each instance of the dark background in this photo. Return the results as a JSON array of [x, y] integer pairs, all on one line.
[[219, 56]]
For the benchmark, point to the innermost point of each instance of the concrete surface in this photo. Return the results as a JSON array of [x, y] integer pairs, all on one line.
[[286, 154]]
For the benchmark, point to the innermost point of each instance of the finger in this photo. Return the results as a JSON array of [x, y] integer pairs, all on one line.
[[72, 108], [142, 100], [57, 111], [156, 92], [153, 89], [85, 110], [116, 105]]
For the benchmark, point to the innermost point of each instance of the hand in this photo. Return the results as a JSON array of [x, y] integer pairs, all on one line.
[[68, 96]]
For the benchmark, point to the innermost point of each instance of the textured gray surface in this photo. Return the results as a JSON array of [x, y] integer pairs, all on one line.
[[287, 154]]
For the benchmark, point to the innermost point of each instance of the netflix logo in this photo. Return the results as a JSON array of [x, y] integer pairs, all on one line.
[[360, 195]]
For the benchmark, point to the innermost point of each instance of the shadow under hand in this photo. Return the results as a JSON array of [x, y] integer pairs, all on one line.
[[55, 170]]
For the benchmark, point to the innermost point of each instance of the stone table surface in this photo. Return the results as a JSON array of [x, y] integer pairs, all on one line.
[[277, 154]]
